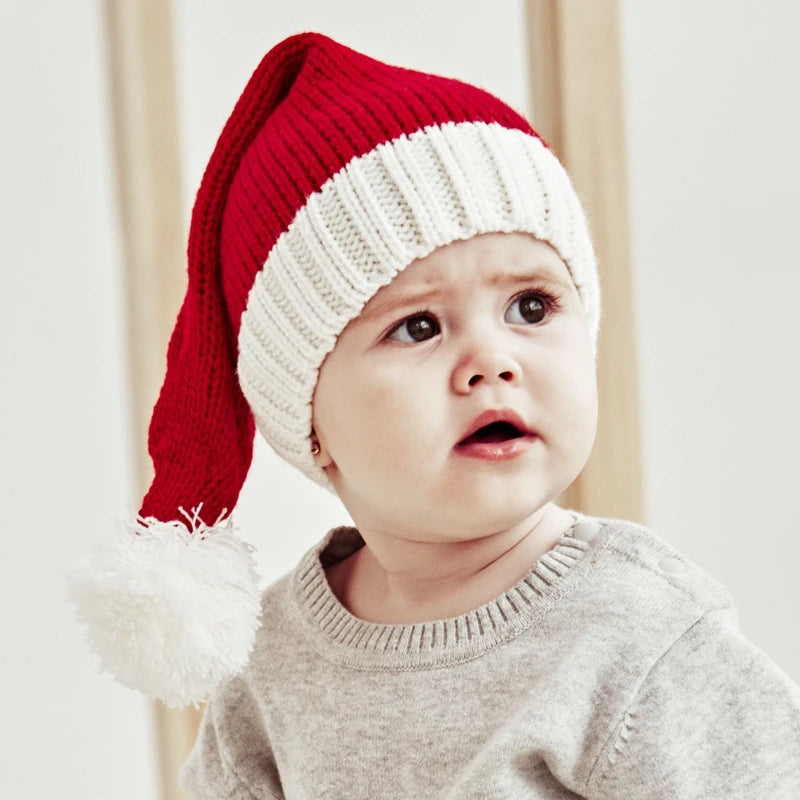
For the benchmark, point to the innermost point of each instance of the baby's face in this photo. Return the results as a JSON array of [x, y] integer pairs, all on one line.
[[486, 328]]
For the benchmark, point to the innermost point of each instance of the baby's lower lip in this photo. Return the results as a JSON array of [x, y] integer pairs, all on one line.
[[496, 451]]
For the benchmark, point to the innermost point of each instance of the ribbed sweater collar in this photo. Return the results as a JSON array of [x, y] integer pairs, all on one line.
[[345, 639]]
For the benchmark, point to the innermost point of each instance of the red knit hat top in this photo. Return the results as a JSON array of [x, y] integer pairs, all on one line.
[[311, 106]]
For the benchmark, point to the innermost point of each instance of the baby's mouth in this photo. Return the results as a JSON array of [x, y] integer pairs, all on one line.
[[494, 432]]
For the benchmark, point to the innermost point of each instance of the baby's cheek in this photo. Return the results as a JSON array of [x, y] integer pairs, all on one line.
[[580, 410]]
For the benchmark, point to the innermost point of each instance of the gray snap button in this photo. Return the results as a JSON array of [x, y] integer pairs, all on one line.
[[671, 566], [586, 530]]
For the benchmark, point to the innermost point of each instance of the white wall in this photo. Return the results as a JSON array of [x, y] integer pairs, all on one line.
[[714, 179], [715, 196], [66, 732]]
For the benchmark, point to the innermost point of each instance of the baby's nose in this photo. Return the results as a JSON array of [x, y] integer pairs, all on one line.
[[505, 375], [485, 366]]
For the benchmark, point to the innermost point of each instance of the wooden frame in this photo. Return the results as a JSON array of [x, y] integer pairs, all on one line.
[[145, 127], [577, 99]]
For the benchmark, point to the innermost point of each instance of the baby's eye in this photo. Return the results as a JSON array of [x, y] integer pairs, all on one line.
[[526, 309], [415, 329]]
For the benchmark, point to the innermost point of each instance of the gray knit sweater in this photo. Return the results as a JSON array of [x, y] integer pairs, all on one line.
[[614, 669]]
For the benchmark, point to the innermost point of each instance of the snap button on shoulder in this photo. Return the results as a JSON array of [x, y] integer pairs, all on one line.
[[671, 566], [586, 530]]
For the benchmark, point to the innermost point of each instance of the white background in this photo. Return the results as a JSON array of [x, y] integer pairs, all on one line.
[[712, 127]]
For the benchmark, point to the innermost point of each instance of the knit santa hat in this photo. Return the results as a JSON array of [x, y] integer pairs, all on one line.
[[333, 173]]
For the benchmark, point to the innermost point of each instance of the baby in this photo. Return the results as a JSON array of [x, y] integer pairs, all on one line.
[[391, 277]]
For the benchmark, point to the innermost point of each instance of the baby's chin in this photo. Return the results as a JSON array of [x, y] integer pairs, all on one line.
[[476, 525]]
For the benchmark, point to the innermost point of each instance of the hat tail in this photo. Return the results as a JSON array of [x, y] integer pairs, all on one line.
[[172, 606]]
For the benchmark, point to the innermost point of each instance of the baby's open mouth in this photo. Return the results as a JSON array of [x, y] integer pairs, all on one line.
[[495, 432]]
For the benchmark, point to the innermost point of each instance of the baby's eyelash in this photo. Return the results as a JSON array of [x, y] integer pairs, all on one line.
[[551, 300], [422, 312]]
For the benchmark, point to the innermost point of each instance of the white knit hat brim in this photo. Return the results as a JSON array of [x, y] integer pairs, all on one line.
[[385, 209]]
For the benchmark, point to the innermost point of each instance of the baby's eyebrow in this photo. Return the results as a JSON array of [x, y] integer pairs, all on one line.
[[529, 276], [420, 299], [409, 300]]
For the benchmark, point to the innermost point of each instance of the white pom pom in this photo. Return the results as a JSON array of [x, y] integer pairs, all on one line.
[[171, 608]]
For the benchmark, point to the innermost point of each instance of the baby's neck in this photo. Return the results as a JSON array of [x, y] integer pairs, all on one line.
[[472, 574]]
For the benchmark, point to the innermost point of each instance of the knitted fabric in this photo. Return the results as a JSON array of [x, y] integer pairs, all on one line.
[[333, 173], [612, 670]]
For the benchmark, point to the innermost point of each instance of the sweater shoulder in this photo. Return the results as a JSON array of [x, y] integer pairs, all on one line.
[[700, 711], [640, 555]]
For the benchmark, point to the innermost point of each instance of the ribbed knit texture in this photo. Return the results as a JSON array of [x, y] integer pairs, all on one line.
[[613, 670], [397, 203], [334, 172], [309, 108], [332, 105], [360, 644], [321, 186]]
